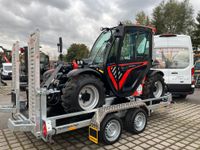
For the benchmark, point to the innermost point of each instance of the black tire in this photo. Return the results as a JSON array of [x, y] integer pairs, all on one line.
[[130, 118], [183, 96], [3, 82], [2, 77], [70, 93], [103, 134], [149, 86]]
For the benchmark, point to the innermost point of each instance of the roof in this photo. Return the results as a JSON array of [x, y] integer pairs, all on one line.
[[7, 64]]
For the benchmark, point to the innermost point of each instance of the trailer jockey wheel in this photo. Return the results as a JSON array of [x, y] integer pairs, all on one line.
[[136, 120], [111, 129]]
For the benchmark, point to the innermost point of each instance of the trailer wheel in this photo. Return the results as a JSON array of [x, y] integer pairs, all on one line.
[[154, 87], [83, 92], [111, 129], [136, 120]]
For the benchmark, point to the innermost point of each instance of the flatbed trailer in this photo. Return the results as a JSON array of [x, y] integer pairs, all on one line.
[[103, 122]]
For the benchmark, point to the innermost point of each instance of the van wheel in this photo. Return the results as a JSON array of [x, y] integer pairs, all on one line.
[[2, 77], [182, 96], [154, 87]]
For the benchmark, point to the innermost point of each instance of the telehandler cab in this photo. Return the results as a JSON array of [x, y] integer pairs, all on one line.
[[119, 65]]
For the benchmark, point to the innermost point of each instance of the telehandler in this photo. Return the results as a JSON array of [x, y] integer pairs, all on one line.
[[119, 64]]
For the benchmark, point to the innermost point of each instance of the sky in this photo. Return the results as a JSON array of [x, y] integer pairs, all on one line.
[[76, 21]]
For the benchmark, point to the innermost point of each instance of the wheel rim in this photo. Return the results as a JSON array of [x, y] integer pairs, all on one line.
[[158, 89], [112, 130], [88, 97], [140, 121]]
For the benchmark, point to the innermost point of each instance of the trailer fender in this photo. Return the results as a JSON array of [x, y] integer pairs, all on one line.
[[79, 71], [145, 109]]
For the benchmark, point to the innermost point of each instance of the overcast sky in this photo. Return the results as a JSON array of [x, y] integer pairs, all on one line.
[[74, 20]]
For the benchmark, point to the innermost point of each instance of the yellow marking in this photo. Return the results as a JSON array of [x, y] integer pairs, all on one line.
[[101, 71], [92, 138], [72, 128]]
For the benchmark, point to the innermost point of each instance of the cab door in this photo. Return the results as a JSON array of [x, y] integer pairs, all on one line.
[[132, 62]]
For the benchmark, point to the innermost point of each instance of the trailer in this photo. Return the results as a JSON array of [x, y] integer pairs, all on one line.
[[104, 123]]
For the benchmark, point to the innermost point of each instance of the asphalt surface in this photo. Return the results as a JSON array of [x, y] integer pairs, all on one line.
[[176, 127], [193, 98]]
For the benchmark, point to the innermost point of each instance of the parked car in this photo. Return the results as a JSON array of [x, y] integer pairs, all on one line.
[[198, 81], [6, 71], [173, 55]]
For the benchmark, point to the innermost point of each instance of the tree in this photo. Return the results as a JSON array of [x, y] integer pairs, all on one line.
[[142, 19], [76, 51], [196, 33], [127, 22], [173, 17]]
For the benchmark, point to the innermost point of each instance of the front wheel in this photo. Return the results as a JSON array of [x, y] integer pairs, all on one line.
[[2, 77], [83, 92]]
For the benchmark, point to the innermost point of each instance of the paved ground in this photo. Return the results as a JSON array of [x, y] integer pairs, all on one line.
[[176, 127], [5, 90], [194, 98]]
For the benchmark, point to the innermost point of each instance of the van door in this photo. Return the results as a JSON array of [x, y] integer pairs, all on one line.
[[180, 69], [180, 60], [159, 62]]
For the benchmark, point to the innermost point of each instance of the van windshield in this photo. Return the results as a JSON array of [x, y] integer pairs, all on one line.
[[8, 68], [171, 58]]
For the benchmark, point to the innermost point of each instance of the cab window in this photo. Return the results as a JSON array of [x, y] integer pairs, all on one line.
[[135, 46]]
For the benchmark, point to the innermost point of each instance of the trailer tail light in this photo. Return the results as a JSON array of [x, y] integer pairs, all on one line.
[[44, 129]]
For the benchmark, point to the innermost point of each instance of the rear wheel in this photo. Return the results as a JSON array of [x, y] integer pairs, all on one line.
[[83, 92], [111, 129], [154, 87]]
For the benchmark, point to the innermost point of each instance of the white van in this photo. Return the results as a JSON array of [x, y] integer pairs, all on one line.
[[6, 71], [173, 55]]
